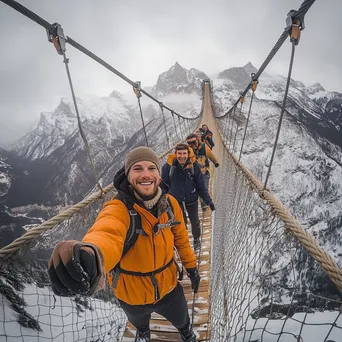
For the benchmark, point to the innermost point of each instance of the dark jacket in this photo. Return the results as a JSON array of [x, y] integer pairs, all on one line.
[[207, 138], [186, 182]]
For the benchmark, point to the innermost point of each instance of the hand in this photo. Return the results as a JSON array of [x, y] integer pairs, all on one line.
[[212, 207], [195, 278], [217, 165], [75, 268]]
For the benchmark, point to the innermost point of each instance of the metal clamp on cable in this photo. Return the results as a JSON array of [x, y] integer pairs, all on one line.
[[58, 40], [295, 26], [254, 82], [137, 89], [161, 105]]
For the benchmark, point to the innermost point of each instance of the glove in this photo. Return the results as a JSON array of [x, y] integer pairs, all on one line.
[[195, 278], [76, 268], [217, 165], [212, 207]]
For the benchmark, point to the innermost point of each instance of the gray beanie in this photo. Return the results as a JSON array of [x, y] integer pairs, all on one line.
[[141, 153]]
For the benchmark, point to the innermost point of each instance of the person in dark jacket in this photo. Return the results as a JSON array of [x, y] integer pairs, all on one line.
[[183, 175], [207, 136]]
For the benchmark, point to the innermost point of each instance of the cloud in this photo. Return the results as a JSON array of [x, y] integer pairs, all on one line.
[[144, 38]]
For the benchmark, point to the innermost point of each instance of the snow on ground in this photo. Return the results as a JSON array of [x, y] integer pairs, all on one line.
[[317, 328], [5, 184], [59, 319]]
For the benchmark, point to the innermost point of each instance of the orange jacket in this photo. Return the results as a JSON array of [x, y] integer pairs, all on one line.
[[203, 156], [149, 252]]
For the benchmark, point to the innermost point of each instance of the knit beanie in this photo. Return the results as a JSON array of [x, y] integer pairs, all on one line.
[[141, 153]]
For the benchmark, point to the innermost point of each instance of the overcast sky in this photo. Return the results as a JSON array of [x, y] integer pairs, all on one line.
[[144, 38]]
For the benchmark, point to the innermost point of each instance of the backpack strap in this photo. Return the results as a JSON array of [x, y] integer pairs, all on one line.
[[172, 170]]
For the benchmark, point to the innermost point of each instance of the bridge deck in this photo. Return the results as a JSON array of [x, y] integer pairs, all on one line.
[[161, 329]]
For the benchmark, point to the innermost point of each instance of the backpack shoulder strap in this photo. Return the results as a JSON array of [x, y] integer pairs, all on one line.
[[172, 170], [135, 226]]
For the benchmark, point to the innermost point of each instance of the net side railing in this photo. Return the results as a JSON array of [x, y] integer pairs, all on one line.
[[264, 285], [29, 310]]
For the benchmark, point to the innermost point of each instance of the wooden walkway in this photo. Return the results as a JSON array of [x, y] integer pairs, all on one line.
[[161, 329]]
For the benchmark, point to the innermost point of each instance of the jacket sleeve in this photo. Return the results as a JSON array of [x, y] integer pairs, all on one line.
[[210, 155], [109, 231], [181, 237], [201, 189], [211, 142], [165, 174]]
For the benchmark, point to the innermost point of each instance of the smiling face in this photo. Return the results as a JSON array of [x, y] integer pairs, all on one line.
[[198, 135], [144, 178], [205, 128], [182, 156]]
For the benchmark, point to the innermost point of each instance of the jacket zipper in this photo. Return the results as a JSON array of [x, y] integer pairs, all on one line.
[[153, 279]]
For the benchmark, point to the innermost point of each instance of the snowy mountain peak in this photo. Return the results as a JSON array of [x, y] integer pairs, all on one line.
[[179, 80], [314, 88], [117, 95], [250, 68], [237, 75]]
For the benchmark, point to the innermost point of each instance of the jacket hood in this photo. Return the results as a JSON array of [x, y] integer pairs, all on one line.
[[191, 160]]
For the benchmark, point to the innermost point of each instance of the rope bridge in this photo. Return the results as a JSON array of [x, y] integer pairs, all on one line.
[[269, 279]]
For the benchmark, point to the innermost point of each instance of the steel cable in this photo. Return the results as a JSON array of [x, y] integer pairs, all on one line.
[[282, 111], [52, 30]]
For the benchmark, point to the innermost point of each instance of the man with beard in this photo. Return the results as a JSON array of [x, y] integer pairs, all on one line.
[[183, 175], [144, 275]]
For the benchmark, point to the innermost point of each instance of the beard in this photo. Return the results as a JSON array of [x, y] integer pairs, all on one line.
[[146, 197]]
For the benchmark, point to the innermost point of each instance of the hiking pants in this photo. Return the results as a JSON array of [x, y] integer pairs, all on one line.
[[206, 178], [173, 307], [192, 210]]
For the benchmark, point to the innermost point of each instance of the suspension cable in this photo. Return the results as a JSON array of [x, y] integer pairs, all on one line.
[[66, 62], [231, 127], [174, 124], [137, 92], [164, 122], [282, 111], [52, 31], [249, 114], [242, 101], [292, 16], [59, 43]]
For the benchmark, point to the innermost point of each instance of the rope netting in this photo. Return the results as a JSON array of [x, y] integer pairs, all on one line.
[[264, 284], [29, 310]]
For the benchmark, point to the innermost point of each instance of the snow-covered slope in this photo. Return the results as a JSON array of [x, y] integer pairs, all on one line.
[[5, 181], [307, 169]]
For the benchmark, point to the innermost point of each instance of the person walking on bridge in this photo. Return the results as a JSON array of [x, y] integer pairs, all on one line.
[[183, 175], [207, 136], [132, 243], [203, 155]]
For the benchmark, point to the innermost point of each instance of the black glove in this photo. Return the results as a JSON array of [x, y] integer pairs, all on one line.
[[212, 206], [195, 278], [217, 165], [75, 268]]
